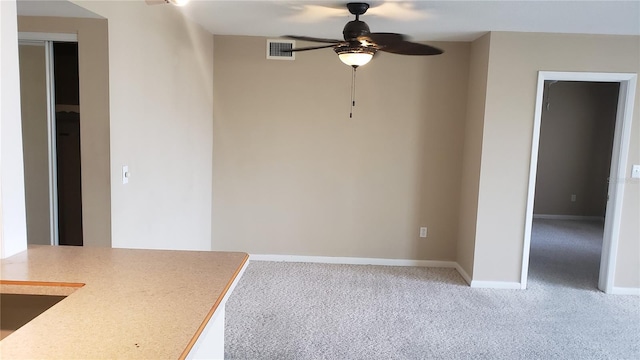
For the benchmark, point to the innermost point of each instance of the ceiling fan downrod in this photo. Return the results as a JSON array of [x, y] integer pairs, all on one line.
[[356, 28], [357, 9]]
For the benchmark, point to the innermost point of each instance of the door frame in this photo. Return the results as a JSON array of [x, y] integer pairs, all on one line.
[[47, 40], [617, 173]]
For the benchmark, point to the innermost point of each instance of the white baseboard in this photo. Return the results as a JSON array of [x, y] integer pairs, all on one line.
[[495, 284], [352, 260], [386, 262], [625, 291], [463, 273], [567, 217]]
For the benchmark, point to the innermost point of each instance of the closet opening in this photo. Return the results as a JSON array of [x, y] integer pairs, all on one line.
[[49, 82]]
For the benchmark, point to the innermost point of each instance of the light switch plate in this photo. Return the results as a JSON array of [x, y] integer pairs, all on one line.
[[125, 174], [635, 171], [423, 232]]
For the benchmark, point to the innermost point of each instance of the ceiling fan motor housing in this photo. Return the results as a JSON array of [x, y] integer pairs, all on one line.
[[355, 29]]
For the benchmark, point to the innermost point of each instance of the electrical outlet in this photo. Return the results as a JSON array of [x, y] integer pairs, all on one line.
[[573, 198], [635, 172], [423, 232]]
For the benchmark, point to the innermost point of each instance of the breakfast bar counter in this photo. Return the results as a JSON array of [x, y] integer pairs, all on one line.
[[121, 303]]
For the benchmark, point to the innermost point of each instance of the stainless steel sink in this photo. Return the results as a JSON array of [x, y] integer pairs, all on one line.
[[18, 309]]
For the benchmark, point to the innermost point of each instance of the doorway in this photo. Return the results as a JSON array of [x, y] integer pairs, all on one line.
[[574, 162], [51, 139], [609, 202]]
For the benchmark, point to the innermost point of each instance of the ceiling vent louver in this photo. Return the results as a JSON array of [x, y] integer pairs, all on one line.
[[276, 49]]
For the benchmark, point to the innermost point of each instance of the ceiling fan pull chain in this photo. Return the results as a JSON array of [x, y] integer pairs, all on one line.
[[353, 91]]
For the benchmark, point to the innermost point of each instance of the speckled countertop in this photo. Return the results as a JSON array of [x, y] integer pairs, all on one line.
[[134, 304]]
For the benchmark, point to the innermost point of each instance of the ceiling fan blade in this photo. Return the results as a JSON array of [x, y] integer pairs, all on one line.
[[309, 48], [383, 39], [308, 38], [411, 48]]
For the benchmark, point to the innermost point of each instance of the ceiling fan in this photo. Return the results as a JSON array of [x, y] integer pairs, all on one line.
[[360, 44]]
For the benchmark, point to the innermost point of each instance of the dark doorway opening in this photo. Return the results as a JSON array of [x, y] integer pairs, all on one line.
[[67, 119]]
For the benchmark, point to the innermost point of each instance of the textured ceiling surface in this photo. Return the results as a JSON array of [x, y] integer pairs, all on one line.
[[422, 20]]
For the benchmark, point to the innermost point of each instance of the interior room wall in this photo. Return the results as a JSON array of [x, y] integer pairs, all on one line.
[[515, 59], [478, 67], [13, 222], [293, 174], [33, 98], [93, 55], [576, 136], [161, 107]]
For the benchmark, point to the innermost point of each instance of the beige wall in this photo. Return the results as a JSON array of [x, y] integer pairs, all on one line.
[[515, 59], [293, 174], [574, 157], [478, 67], [93, 64], [33, 101], [161, 107]]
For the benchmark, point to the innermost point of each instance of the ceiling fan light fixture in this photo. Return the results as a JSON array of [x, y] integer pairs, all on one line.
[[355, 56]]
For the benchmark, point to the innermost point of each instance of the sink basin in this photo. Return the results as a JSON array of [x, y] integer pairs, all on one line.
[[18, 309]]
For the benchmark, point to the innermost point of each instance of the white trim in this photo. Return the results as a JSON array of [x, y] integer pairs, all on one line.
[[618, 168], [567, 217], [352, 260], [387, 262], [364, 261], [463, 273], [528, 222], [509, 285], [615, 290], [34, 36], [618, 173], [51, 133]]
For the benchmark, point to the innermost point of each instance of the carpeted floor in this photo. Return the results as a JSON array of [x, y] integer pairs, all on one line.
[[565, 253], [322, 311]]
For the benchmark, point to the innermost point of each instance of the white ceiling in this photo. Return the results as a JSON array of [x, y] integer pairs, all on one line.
[[422, 20], [52, 8]]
